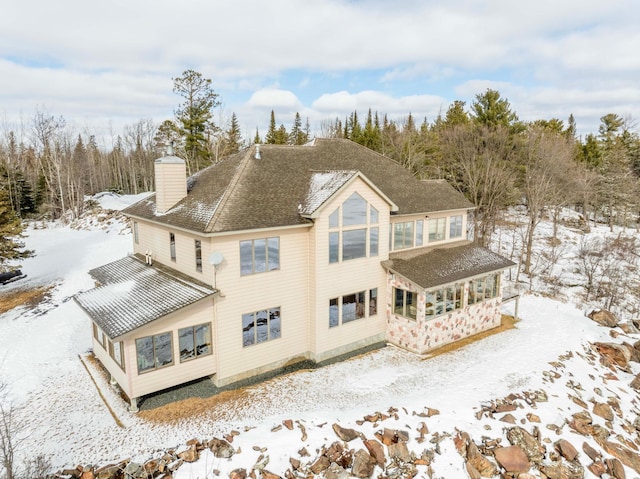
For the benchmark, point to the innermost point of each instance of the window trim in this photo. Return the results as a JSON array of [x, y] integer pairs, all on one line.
[[270, 312], [455, 221], [155, 359], [112, 353], [437, 223], [172, 247], [441, 300], [196, 354], [136, 234], [362, 310], [405, 310], [267, 266], [198, 253]]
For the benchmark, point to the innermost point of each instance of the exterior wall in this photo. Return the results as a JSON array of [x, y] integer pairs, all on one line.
[[426, 219], [337, 279], [287, 288], [155, 238], [171, 182], [422, 335], [136, 384], [101, 352]]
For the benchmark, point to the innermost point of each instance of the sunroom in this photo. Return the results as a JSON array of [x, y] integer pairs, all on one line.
[[443, 294]]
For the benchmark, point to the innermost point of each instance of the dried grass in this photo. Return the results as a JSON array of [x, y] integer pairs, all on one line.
[[23, 297]]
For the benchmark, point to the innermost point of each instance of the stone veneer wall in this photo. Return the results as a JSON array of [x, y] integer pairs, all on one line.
[[422, 335]]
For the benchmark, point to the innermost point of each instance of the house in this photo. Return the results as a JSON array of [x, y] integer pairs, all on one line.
[[283, 254]]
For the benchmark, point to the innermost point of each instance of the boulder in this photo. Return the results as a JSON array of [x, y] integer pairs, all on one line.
[[628, 457], [321, 464], [269, 475], [635, 383], [344, 433], [482, 465], [563, 470], [615, 468], [603, 410], [189, 454], [336, 472], [566, 449], [221, 448], [363, 464], [239, 473], [376, 450], [531, 447], [617, 353], [604, 318], [399, 452], [512, 459], [593, 454]]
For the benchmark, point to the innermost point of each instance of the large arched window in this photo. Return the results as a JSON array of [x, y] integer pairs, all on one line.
[[353, 230]]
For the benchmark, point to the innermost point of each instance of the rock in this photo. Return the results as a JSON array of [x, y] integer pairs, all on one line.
[[635, 383], [376, 451], [239, 473], [512, 459], [533, 417], [483, 466], [604, 318], [593, 454], [615, 352], [269, 475], [626, 456], [189, 454], [581, 423], [107, 472], [399, 452], [615, 468], [344, 433], [531, 447], [261, 463], [566, 449], [221, 448], [321, 464], [295, 463], [134, 470], [597, 468], [562, 470], [363, 464], [288, 423], [634, 354], [87, 474], [336, 472], [472, 471], [603, 410], [508, 418]]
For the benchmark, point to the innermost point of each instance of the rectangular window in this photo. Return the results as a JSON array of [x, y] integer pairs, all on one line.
[[261, 326], [194, 341], [334, 316], [443, 300], [116, 351], [334, 247], [198, 247], [437, 229], [154, 352], [353, 307], [403, 235], [136, 238], [405, 303], [259, 255], [419, 232], [354, 244], [373, 302], [373, 241], [455, 226], [373, 215], [172, 246], [99, 335]]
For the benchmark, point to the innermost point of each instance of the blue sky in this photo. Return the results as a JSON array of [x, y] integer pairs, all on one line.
[[104, 66]]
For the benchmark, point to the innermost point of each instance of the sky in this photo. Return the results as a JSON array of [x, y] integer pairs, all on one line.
[[105, 65]]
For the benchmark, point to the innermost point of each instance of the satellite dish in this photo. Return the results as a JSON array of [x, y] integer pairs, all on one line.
[[216, 258]]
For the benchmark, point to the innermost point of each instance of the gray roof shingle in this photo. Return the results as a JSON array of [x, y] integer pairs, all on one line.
[[241, 192], [434, 266], [133, 294]]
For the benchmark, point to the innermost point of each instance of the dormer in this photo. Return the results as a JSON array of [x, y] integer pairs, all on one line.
[[171, 181]]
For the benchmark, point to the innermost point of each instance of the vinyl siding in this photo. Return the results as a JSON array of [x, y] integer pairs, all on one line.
[[171, 184]]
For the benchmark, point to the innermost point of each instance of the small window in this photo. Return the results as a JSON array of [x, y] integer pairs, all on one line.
[[373, 241], [455, 226], [373, 302], [99, 335], [116, 351], [333, 219], [198, 248], [194, 341], [419, 232], [437, 229], [334, 317], [334, 248], [405, 303], [172, 246], [136, 238], [154, 352], [403, 235], [261, 326], [373, 215]]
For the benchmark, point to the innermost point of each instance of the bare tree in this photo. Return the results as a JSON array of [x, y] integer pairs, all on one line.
[[12, 432]]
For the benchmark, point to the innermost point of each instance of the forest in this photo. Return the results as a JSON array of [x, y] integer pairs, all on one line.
[[483, 149]]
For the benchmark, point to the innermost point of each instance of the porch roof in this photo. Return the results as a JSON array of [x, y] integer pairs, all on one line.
[[132, 294], [433, 266]]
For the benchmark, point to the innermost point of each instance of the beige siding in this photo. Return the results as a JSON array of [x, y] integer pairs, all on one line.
[[351, 276], [171, 184], [155, 238], [139, 384], [102, 353], [286, 288]]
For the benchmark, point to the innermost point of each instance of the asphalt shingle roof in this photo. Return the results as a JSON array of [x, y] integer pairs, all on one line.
[[241, 192], [133, 294], [434, 266]]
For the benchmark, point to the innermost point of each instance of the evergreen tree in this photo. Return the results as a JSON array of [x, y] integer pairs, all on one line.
[[271, 137], [282, 137], [195, 116], [491, 110], [455, 115], [233, 136], [298, 136], [11, 248], [256, 139], [371, 134]]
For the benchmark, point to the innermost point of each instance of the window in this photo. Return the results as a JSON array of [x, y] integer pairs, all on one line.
[[455, 226], [198, 247], [136, 238], [483, 288], [437, 228], [116, 351], [259, 255], [154, 352], [351, 243], [261, 326], [443, 300], [419, 232], [351, 307], [373, 302], [99, 335], [172, 246], [194, 341], [403, 235], [405, 303]]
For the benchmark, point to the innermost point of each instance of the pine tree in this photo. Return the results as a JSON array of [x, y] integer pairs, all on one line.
[[11, 248], [233, 136], [297, 136], [256, 139], [270, 139], [491, 110]]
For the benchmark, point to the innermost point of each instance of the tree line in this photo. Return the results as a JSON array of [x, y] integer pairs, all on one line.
[[483, 149]]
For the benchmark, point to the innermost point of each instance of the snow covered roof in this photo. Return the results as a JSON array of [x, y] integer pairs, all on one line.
[[433, 266], [133, 294], [322, 186], [240, 192]]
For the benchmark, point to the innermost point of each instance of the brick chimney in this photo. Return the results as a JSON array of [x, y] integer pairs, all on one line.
[[171, 181]]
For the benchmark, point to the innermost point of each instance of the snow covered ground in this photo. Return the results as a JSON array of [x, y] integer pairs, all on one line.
[[41, 351]]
